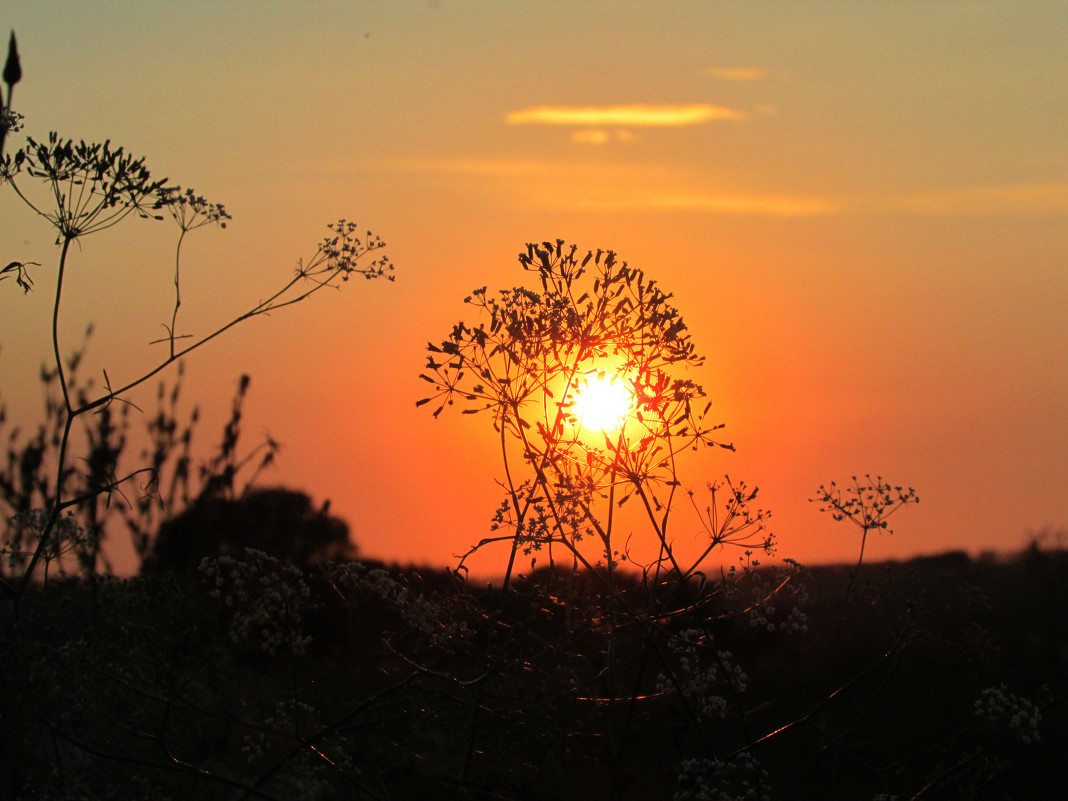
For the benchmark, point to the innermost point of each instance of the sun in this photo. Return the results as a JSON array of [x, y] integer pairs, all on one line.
[[603, 402]]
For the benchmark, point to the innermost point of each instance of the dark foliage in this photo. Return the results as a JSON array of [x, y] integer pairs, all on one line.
[[416, 685], [280, 522]]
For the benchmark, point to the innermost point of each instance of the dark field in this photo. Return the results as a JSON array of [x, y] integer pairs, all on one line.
[[366, 682]]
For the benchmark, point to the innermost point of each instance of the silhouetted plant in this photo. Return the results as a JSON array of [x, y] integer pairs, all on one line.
[[524, 364], [676, 643], [167, 483], [89, 188], [190, 211], [10, 120], [87, 664], [867, 504]]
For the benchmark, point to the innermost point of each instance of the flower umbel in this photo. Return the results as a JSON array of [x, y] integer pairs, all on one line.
[[191, 210], [1005, 711], [340, 253], [866, 503], [267, 599], [92, 186]]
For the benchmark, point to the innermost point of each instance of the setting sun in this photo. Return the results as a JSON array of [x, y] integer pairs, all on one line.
[[602, 402], [698, 147]]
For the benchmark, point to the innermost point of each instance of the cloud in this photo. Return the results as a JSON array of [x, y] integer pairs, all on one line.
[[1005, 199], [599, 136], [737, 73], [719, 204], [633, 115], [489, 168], [590, 136], [596, 187]]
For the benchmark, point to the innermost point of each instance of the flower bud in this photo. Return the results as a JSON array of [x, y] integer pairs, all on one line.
[[12, 69]]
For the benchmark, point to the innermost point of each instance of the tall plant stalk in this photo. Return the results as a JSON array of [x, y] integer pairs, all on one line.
[[89, 188]]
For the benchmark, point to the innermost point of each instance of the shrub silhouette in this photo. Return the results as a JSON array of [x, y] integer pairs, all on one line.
[[281, 522]]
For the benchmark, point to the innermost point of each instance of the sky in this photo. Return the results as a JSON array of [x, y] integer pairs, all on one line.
[[861, 209]]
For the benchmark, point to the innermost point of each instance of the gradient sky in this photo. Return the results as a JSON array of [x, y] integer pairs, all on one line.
[[861, 208]]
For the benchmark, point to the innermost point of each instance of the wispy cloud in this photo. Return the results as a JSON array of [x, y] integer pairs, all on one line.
[[632, 115], [1006, 199], [712, 203], [600, 136], [489, 168], [596, 187], [737, 73], [591, 136]]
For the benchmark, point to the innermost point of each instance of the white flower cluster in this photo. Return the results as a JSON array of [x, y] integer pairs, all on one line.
[[355, 575], [268, 599], [287, 719], [796, 622], [65, 535], [763, 591], [423, 614], [740, 778], [295, 723], [999, 708], [697, 676]]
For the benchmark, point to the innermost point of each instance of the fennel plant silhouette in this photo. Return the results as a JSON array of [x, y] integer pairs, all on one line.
[[867, 504], [523, 364], [82, 189], [9, 119]]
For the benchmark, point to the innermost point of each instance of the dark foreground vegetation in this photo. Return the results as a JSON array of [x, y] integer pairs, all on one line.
[[942, 677]]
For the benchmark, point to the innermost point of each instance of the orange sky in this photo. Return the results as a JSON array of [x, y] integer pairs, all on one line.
[[860, 207]]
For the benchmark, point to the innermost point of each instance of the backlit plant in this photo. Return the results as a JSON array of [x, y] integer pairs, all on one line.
[[866, 503], [592, 320], [84, 188]]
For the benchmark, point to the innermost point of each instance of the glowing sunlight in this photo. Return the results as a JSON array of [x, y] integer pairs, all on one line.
[[603, 402]]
